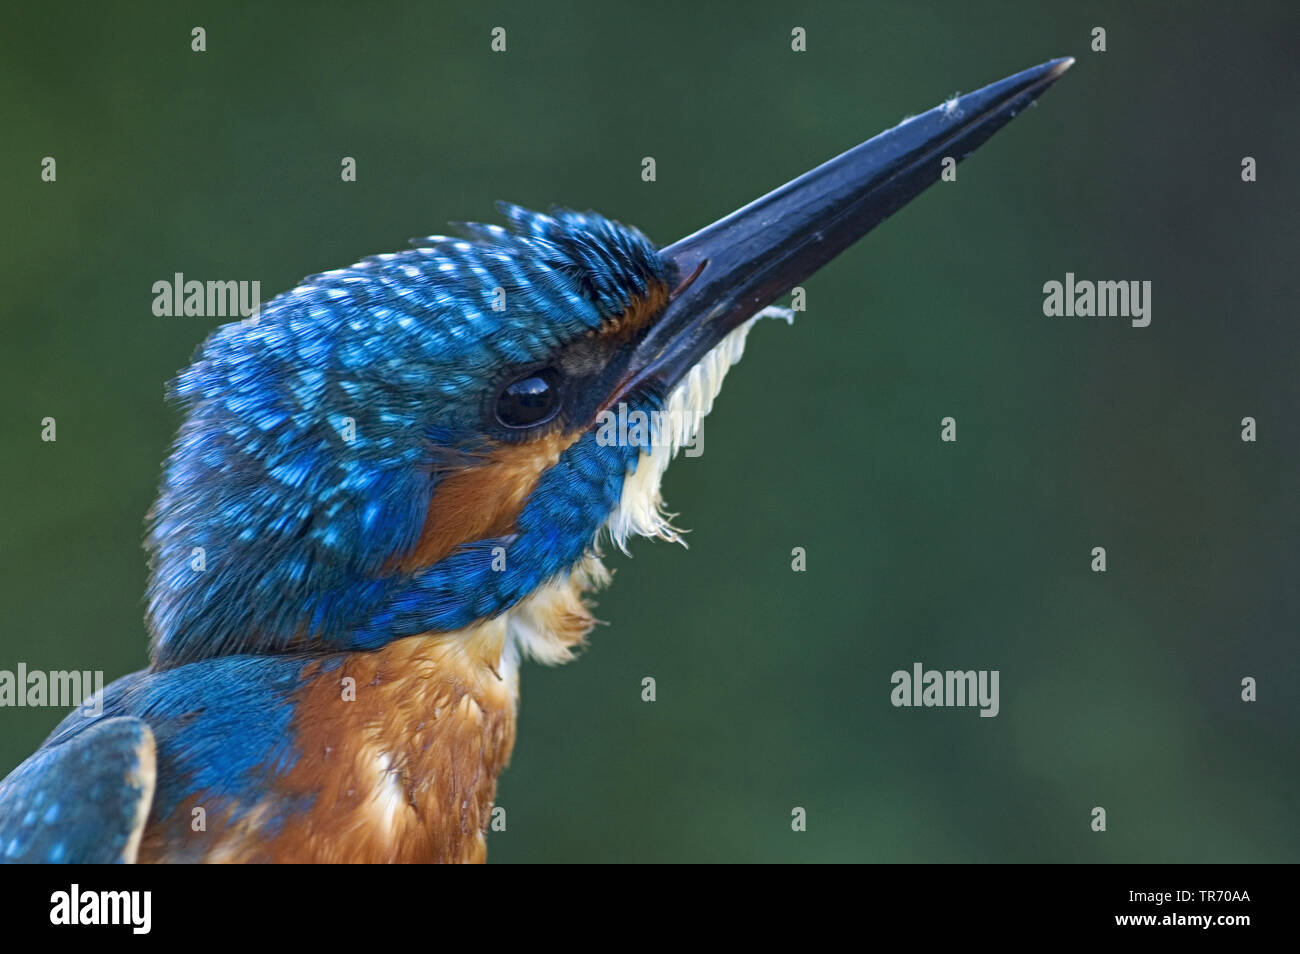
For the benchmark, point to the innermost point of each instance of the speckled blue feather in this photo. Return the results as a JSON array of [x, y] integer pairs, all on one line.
[[76, 802]]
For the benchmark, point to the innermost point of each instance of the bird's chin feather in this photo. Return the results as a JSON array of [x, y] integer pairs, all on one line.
[[640, 509], [554, 621]]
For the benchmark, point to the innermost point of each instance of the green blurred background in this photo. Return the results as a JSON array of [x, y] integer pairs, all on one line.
[[1118, 689]]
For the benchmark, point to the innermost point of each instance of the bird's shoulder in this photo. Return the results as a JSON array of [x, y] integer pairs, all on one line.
[[82, 797]]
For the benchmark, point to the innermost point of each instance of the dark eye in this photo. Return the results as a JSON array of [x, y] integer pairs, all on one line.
[[530, 399]]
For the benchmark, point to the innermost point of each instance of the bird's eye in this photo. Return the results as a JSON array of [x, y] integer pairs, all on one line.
[[530, 399]]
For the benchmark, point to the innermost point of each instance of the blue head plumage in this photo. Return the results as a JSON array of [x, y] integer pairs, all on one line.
[[298, 503]]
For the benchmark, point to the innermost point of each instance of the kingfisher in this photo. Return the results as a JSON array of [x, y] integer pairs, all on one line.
[[392, 487]]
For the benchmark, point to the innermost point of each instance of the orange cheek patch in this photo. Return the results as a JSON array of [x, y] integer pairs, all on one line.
[[638, 316], [483, 502]]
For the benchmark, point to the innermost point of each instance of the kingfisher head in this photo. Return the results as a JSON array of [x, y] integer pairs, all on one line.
[[421, 441]]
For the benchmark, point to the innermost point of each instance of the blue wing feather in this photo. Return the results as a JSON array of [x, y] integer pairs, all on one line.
[[82, 799]]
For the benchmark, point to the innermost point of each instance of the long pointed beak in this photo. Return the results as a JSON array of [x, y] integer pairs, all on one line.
[[733, 268]]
